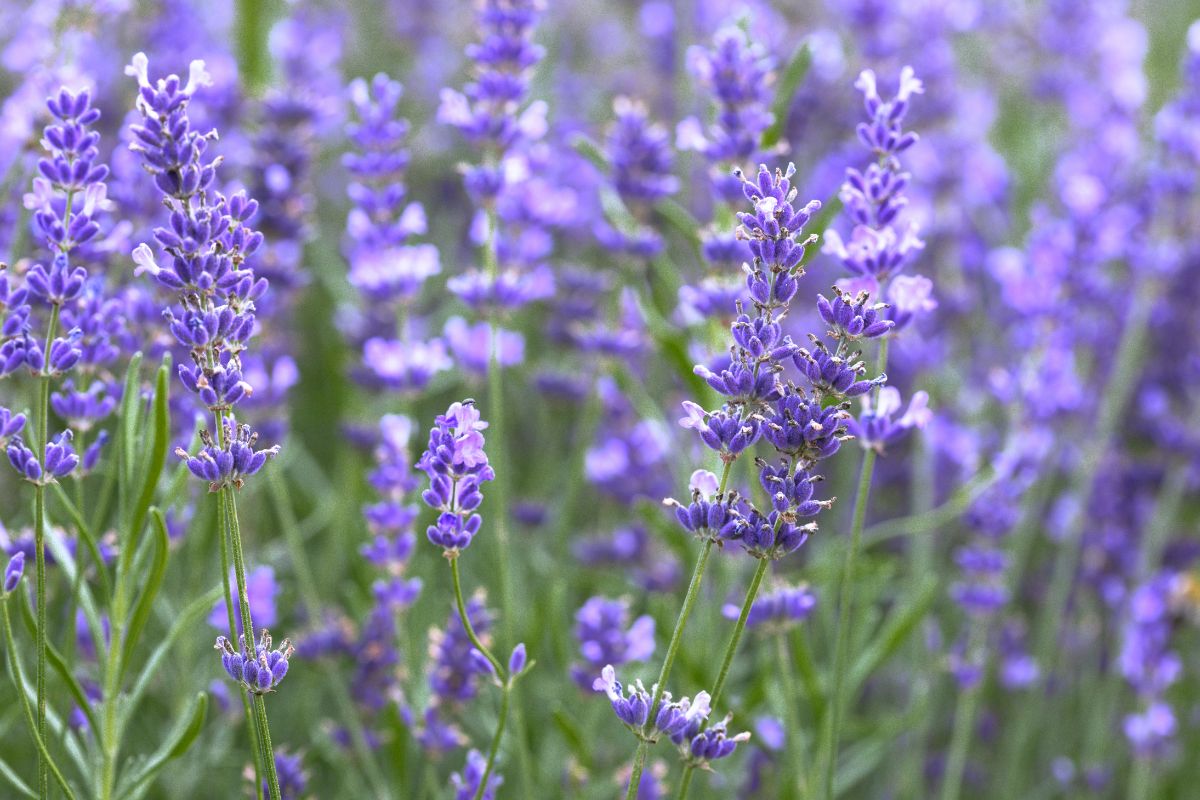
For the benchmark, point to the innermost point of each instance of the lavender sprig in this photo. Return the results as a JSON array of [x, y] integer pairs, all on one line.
[[209, 241]]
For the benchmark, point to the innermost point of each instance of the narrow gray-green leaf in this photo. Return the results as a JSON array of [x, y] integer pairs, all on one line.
[[154, 580], [789, 82]]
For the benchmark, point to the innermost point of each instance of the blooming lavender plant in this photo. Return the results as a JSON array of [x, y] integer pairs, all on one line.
[[209, 242]]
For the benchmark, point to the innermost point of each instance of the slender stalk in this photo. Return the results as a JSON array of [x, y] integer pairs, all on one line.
[[239, 572], [19, 683], [505, 691], [841, 652], [1141, 779], [792, 755], [466, 620], [966, 708], [39, 536], [738, 629], [1052, 616], [497, 451], [689, 600], [685, 783], [730, 650], [506, 680], [224, 528]]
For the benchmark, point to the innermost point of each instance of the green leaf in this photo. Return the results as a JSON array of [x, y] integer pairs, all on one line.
[[819, 224], [789, 82], [66, 563], [11, 776], [679, 218], [895, 632], [589, 149], [176, 744], [130, 415], [161, 440], [158, 570], [184, 621], [573, 737]]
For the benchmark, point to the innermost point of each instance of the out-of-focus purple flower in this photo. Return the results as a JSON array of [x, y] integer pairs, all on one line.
[[778, 609], [261, 591], [405, 366], [471, 344], [13, 572], [293, 780], [466, 783], [606, 637], [875, 427]]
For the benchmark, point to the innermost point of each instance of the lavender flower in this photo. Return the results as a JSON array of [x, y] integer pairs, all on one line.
[[875, 426], [258, 672], [72, 170], [606, 637], [209, 242], [466, 783], [779, 609], [632, 706], [227, 463], [713, 743], [292, 778], [880, 247], [457, 467], [13, 572]]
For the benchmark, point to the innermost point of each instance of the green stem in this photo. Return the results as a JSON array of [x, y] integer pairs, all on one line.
[[685, 783], [466, 620], [792, 755], [730, 650], [1052, 614], [506, 680], [39, 536], [505, 691], [967, 707], [689, 600], [1141, 779], [19, 683], [259, 704], [845, 609]]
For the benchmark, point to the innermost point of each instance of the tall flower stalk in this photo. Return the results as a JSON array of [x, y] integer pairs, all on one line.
[[880, 245], [208, 242], [457, 467], [67, 196], [492, 113]]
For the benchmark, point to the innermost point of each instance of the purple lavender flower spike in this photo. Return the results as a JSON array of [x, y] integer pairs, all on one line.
[[606, 637], [231, 464], [258, 672], [777, 610], [875, 427], [13, 572], [466, 783], [209, 244], [457, 467], [10, 424], [714, 743]]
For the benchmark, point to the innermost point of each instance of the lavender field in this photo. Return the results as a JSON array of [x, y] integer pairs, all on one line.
[[411, 400]]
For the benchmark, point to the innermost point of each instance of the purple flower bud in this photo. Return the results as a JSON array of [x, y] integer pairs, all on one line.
[[14, 571]]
